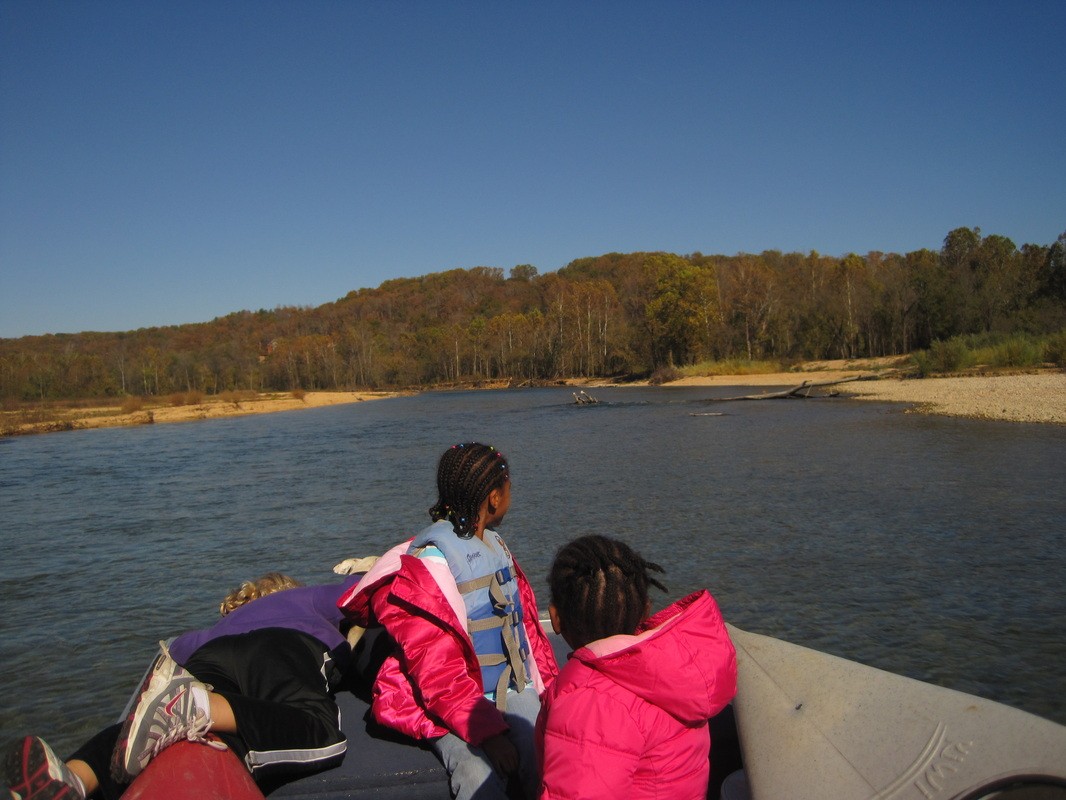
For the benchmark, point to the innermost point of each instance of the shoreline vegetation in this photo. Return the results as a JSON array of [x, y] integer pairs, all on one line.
[[979, 300], [979, 306], [1036, 395]]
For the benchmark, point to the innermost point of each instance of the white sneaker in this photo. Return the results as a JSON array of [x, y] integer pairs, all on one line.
[[173, 706]]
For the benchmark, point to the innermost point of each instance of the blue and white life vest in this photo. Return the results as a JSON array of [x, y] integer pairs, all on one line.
[[485, 576]]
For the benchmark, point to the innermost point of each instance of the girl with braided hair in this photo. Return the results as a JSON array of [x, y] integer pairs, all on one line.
[[471, 658], [628, 714]]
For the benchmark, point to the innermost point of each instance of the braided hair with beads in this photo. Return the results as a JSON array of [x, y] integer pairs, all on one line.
[[466, 474], [599, 587]]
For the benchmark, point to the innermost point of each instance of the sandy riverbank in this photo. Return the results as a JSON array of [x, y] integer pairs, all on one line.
[[1039, 397], [208, 408], [1017, 398]]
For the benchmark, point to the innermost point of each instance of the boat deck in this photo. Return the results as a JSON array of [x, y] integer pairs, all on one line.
[[381, 764]]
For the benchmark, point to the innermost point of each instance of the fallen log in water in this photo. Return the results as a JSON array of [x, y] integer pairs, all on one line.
[[802, 391]]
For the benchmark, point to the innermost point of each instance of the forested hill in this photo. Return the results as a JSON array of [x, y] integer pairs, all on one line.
[[610, 315]]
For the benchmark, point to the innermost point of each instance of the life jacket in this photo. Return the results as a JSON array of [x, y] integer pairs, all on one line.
[[486, 580]]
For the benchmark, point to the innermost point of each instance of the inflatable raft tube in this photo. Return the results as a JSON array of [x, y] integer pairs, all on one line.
[[805, 724], [193, 771], [815, 726]]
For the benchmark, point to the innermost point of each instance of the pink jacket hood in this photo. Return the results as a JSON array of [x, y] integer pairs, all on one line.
[[627, 715], [665, 663]]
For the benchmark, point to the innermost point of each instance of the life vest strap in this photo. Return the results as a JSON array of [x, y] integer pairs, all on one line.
[[501, 576], [514, 655], [501, 688], [514, 666], [478, 625]]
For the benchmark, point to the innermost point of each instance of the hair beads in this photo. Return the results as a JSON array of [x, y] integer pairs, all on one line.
[[466, 474], [600, 588]]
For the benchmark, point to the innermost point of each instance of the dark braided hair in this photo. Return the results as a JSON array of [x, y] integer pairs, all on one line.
[[466, 474], [599, 588]]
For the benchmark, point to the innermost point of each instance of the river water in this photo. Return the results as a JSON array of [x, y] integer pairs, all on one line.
[[928, 546]]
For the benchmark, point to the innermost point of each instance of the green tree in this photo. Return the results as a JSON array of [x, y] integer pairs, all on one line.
[[681, 310], [523, 272], [999, 286], [959, 259], [939, 312], [1054, 279]]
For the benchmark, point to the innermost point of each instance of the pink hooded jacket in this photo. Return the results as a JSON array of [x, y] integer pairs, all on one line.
[[627, 716], [432, 684]]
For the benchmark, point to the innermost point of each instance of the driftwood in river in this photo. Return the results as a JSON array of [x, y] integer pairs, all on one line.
[[802, 391]]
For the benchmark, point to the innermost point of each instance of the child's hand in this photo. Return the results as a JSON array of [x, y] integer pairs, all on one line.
[[502, 753]]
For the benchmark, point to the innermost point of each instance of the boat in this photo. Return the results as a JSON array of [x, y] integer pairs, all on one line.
[[805, 725]]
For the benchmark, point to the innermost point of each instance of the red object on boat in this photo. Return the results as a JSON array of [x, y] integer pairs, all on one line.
[[193, 771]]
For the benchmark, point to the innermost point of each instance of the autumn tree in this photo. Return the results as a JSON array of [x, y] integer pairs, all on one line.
[[609, 314], [749, 296]]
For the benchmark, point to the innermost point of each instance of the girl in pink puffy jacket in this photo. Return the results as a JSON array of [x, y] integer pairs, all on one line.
[[628, 714], [471, 657]]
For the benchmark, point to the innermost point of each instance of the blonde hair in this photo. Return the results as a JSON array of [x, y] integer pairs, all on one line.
[[253, 590]]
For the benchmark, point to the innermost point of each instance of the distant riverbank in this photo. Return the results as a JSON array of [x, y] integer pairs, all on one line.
[[1037, 397]]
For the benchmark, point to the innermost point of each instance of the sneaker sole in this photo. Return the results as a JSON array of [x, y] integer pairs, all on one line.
[[28, 776]]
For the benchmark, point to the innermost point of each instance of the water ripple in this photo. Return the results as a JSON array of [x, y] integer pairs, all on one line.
[[928, 546]]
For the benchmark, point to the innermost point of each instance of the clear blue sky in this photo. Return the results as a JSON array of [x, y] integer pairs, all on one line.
[[170, 162]]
